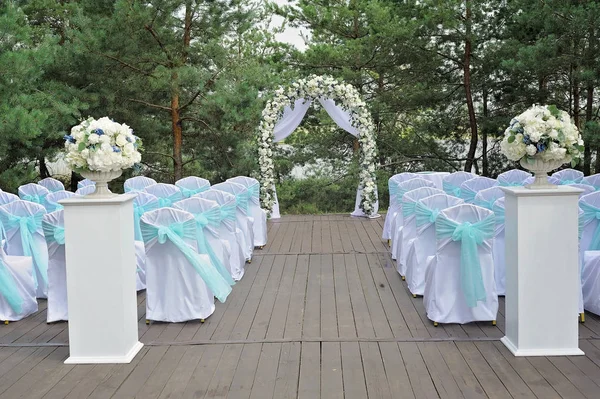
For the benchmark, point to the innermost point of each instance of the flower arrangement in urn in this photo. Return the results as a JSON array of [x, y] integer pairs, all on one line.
[[100, 149], [542, 139]]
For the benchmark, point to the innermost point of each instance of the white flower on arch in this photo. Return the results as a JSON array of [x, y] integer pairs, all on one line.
[[346, 97]]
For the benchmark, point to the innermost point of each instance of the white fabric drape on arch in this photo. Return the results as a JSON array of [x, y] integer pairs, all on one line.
[[291, 119]]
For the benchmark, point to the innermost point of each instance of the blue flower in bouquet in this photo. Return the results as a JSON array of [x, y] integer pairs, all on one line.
[[526, 139], [99, 132], [116, 149], [541, 147], [69, 138]]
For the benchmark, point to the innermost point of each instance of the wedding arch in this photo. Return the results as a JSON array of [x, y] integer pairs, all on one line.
[[283, 114]]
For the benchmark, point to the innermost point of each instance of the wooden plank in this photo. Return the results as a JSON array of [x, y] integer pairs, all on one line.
[[353, 372], [420, 379], [15, 358], [85, 386], [138, 377], [295, 315], [395, 371], [260, 324], [276, 327], [559, 382], [67, 384], [266, 372], [376, 380], [331, 371], [307, 238], [294, 241], [118, 374], [345, 317], [23, 367], [350, 240], [243, 378], [197, 386], [316, 241], [326, 245], [362, 318], [381, 325], [467, 382], [489, 381], [309, 383], [329, 328], [288, 372], [311, 326], [364, 236], [583, 383], [336, 238], [438, 370], [221, 381], [176, 384], [159, 377]]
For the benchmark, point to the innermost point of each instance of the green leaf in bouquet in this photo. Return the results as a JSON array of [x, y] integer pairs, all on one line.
[[574, 162], [511, 139], [81, 147], [554, 111], [561, 135]]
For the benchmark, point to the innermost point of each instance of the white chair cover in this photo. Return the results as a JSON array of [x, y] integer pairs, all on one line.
[[499, 247], [137, 183], [228, 230], [7, 198], [142, 203], [33, 193], [589, 243], [398, 221], [445, 294], [451, 183], [17, 288], [566, 176], [244, 220], [436, 178], [590, 280], [85, 183], [53, 198], [22, 221], [259, 227], [514, 177], [593, 180], [175, 292], [486, 197], [409, 227], [424, 244], [470, 188], [587, 189], [209, 235], [86, 190], [167, 194], [54, 232], [51, 184], [394, 204], [192, 185]]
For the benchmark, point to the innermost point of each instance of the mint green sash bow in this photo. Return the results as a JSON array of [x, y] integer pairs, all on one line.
[[138, 212], [487, 204], [9, 290], [53, 233], [176, 233], [570, 181], [28, 225], [590, 213], [241, 200], [203, 220], [400, 194], [393, 188], [580, 225], [425, 215], [189, 192], [511, 183], [468, 195], [254, 193], [471, 235], [451, 189], [498, 214], [408, 208], [167, 202], [53, 206], [38, 199]]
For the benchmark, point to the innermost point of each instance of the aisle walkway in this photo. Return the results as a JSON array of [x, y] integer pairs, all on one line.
[[320, 313]]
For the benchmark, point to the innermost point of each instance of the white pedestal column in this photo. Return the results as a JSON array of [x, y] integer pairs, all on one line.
[[101, 276], [542, 271]]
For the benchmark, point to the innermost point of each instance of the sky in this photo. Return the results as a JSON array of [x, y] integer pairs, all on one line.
[[290, 35]]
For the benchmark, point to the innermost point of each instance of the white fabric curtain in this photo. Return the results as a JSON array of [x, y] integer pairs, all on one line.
[[291, 119]]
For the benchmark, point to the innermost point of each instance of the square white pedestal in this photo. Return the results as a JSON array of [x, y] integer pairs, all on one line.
[[101, 277], [542, 271]]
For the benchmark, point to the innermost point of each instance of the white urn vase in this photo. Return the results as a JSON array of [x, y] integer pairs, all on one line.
[[101, 179], [540, 169]]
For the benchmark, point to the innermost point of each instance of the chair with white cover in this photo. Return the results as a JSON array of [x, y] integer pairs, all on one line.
[[394, 204], [593, 180], [17, 288], [514, 178], [424, 244], [53, 225], [398, 221], [587, 189], [22, 222], [409, 227], [53, 198], [566, 176], [459, 285], [192, 185], [180, 283], [451, 183], [167, 194], [137, 184], [142, 203], [228, 230], [86, 190], [208, 218], [486, 197], [499, 247], [589, 247], [85, 183], [51, 184], [470, 188], [7, 198], [244, 220], [33, 192], [436, 178], [259, 215]]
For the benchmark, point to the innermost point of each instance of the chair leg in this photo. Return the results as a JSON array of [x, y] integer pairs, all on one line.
[[403, 278], [414, 295], [493, 322], [6, 322], [147, 322], [435, 324], [202, 320], [582, 317], [389, 242]]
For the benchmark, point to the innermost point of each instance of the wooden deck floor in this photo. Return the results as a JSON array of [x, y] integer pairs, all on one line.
[[320, 313]]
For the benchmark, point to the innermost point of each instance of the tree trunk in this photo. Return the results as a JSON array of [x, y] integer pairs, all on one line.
[[589, 114], [44, 172], [177, 136], [467, 84], [484, 135], [587, 157], [74, 181]]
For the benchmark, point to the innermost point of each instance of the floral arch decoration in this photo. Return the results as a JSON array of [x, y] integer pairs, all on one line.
[[284, 112]]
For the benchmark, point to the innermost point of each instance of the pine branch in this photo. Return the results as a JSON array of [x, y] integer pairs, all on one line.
[[149, 104]]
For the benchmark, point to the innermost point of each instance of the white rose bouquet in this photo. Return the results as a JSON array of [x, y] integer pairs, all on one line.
[[102, 145], [543, 132]]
